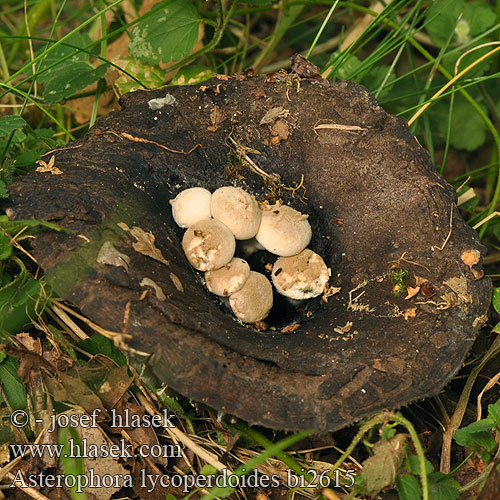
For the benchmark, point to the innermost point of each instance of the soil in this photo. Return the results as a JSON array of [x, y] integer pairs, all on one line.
[[382, 219]]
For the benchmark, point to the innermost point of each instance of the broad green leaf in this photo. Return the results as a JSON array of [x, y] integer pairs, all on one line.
[[73, 74], [72, 465], [12, 227], [151, 77], [466, 20], [20, 301], [168, 33], [3, 190], [494, 412], [347, 67], [11, 384], [5, 247], [443, 487], [412, 463], [374, 77], [98, 344], [479, 17], [170, 497], [191, 75], [408, 487], [468, 130], [441, 19], [380, 470], [10, 123], [208, 470], [477, 437], [496, 299]]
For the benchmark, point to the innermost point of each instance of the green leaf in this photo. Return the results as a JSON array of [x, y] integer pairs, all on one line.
[[388, 432], [441, 19], [479, 16], [408, 487], [12, 386], [168, 33], [477, 437], [412, 463], [98, 344], [496, 299], [468, 130], [466, 20], [12, 227], [151, 77], [379, 471], [443, 487], [3, 190], [73, 74], [20, 301], [5, 247], [494, 412], [170, 497], [191, 75], [10, 123], [72, 465], [208, 470]]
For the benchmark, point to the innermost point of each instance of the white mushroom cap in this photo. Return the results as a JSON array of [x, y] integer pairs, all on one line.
[[208, 245], [191, 205], [238, 210], [229, 278], [301, 276], [254, 301], [283, 230]]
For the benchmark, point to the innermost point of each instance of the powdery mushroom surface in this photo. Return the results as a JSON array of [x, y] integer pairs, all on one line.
[[374, 202]]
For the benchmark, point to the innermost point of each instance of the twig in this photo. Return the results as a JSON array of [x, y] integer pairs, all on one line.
[[130, 137], [449, 233], [338, 126], [26, 489]]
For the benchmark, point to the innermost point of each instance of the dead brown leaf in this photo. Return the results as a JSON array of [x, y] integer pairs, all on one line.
[[300, 65], [65, 388], [217, 116], [343, 329], [412, 291], [48, 167], [470, 257], [109, 255], [459, 286], [280, 129], [115, 385], [145, 244], [158, 291], [177, 282], [273, 114], [290, 328], [411, 312]]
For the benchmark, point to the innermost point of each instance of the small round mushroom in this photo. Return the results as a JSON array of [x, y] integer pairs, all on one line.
[[283, 230], [254, 301], [229, 278], [191, 205], [301, 276], [208, 245], [238, 210]]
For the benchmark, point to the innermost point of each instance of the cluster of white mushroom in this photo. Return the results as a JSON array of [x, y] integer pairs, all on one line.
[[214, 222]]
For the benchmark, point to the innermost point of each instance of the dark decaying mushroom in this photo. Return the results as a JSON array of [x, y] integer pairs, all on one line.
[[377, 209]]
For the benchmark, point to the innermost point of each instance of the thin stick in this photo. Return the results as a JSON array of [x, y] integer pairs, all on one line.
[[26, 489], [449, 233]]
